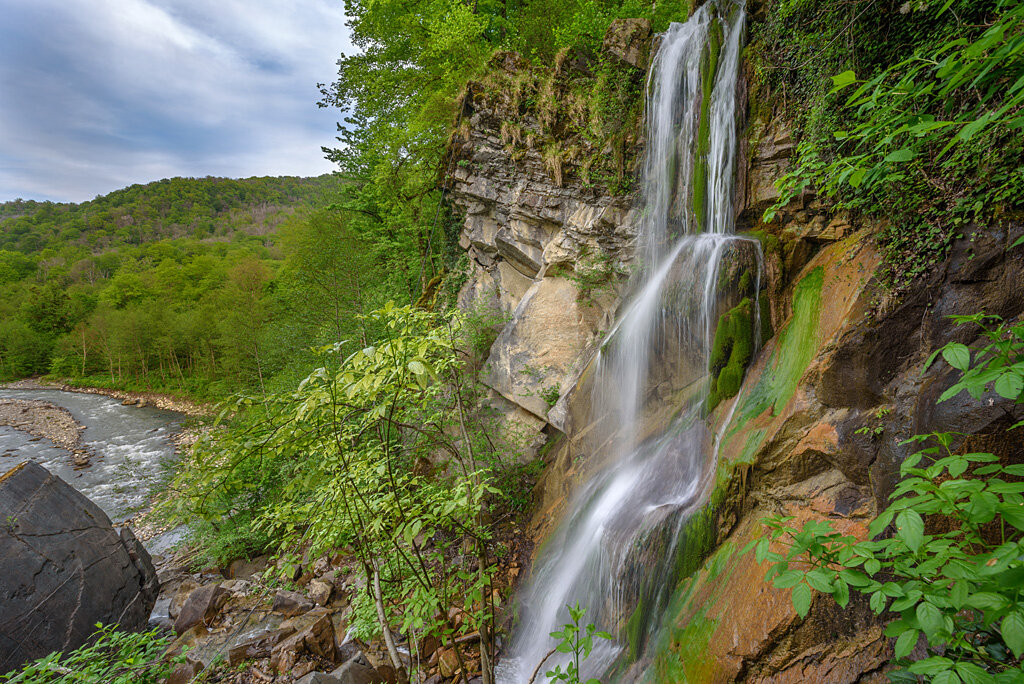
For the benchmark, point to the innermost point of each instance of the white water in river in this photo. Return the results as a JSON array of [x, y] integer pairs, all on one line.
[[615, 548], [131, 448]]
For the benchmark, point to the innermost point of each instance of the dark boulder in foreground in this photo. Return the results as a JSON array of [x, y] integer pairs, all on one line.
[[63, 568]]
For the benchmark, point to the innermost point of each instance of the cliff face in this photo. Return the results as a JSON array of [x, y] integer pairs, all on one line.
[[841, 354], [549, 243]]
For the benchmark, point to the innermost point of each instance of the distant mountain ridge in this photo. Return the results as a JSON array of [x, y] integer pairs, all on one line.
[[165, 209]]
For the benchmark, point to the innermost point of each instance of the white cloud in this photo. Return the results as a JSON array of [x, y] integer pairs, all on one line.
[[97, 95]]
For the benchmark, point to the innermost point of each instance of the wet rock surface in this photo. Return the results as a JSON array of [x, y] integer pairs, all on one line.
[[65, 568], [827, 443]]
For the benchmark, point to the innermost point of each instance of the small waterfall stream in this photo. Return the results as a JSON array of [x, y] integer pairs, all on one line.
[[647, 469]]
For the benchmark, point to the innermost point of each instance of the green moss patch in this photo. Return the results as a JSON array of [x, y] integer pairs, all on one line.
[[731, 351], [682, 648]]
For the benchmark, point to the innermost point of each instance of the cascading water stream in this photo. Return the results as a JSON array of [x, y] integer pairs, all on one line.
[[647, 471]]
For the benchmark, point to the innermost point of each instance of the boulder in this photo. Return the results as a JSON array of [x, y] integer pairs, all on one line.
[[320, 591], [245, 569], [629, 40], [316, 640], [357, 670], [200, 606], [65, 568], [447, 662], [317, 678], [181, 595], [291, 603], [259, 646], [183, 673]]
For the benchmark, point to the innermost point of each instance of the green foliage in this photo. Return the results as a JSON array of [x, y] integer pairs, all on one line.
[[997, 364], [577, 642], [378, 451], [929, 138], [481, 326], [875, 431], [947, 555], [110, 657], [202, 316], [401, 97]]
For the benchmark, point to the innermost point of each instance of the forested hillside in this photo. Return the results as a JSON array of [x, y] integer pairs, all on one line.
[[202, 286]]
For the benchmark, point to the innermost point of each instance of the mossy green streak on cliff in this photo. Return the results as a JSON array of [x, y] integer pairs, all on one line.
[[731, 351], [692, 546], [681, 647], [793, 353]]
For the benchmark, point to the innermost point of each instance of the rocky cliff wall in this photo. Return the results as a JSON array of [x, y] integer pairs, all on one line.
[[841, 354], [546, 161]]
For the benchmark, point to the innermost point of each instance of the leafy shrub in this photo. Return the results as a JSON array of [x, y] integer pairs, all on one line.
[[947, 555], [929, 139], [111, 657], [577, 642]]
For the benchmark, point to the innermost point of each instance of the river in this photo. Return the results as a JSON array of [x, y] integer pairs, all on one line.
[[131, 448]]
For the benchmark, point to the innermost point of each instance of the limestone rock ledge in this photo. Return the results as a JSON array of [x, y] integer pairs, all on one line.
[[548, 249], [65, 568]]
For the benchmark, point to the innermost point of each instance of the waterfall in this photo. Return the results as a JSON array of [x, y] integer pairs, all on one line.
[[647, 448]]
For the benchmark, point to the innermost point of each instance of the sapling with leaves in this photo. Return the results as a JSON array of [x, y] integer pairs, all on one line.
[[575, 641], [379, 453], [946, 558]]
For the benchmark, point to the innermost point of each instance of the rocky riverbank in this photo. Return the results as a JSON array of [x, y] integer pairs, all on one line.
[[167, 402], [44, 420], [243, 624]]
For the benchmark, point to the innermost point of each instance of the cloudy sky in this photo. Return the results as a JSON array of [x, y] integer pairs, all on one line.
[[99, 94]]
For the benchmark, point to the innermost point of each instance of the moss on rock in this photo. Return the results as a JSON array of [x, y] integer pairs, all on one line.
[[731, 351]]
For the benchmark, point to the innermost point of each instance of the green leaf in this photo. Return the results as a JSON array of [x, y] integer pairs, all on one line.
[[905, 643], [841, 593], [1018, 242], [1013, 632], [843, 80], [901, 155], [986, 600], [820, 579], [957, 355], [802, 599], [788, 579], [1009, 385], [910, 528], [946, 677], [1013, 514], [931, 666], [973, 674], [857, 178], [931, 620]]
